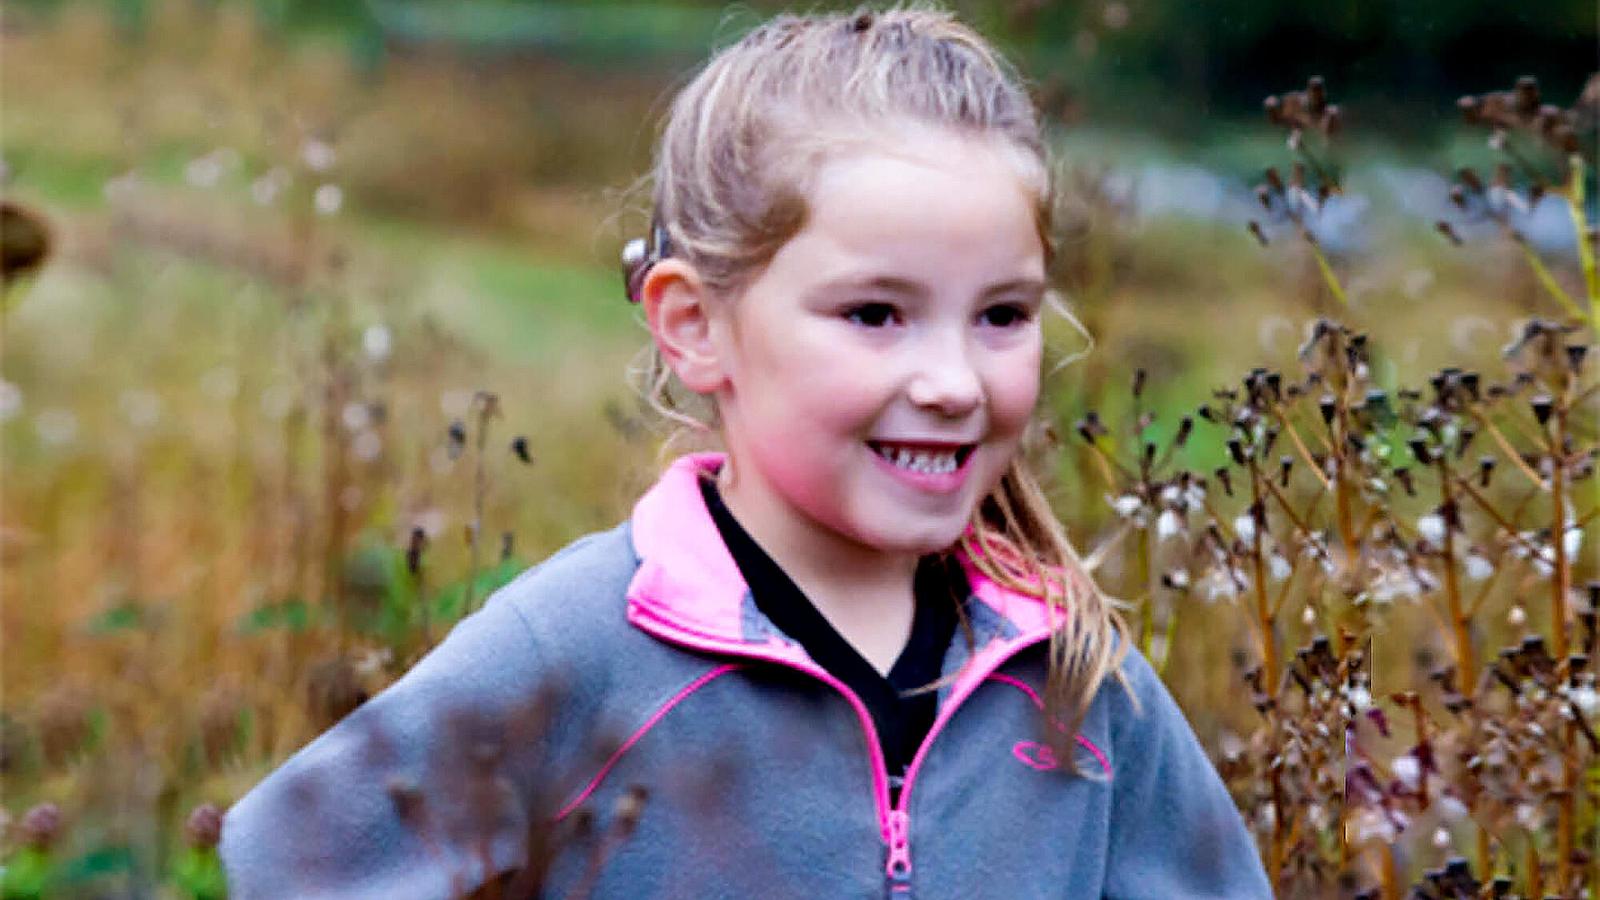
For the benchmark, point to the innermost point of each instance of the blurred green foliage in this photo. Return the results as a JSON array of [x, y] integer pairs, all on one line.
[[1396, 59], [1166, 64]]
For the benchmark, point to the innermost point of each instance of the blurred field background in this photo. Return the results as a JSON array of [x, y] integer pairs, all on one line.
[[332, 288]]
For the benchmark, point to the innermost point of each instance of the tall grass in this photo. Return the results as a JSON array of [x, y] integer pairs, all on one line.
[[321, 360]]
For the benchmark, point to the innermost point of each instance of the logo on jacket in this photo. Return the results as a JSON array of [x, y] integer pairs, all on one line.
[[1035, 755]]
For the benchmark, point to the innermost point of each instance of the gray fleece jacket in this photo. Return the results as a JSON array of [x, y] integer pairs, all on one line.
[[621, 721]]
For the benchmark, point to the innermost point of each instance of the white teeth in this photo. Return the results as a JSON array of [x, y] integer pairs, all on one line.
[[925, 461]]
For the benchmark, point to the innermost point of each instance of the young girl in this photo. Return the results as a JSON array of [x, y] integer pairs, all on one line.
[[853, 656]]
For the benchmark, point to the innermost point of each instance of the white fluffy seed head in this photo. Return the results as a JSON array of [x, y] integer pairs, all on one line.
[[1431, 527]]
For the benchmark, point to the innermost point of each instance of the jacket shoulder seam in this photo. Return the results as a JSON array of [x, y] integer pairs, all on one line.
[[650, 722]]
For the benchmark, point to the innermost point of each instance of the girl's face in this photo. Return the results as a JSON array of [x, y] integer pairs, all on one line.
[[880, 371]]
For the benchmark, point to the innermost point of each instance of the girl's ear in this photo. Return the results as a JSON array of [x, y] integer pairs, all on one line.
[[679, 308]]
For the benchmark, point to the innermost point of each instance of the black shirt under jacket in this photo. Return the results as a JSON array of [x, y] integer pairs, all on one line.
[[902, 721]]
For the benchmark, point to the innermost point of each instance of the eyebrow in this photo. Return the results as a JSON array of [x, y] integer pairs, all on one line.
[[896, 285]]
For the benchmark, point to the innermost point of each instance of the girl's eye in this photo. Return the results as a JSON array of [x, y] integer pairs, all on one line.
[[871, 315], [1006, 315]]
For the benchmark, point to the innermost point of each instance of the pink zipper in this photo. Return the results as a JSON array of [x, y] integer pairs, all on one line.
[[894, 822], [898, 868]]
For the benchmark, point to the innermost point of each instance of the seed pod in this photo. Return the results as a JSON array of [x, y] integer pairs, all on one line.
[[419, 540], [1527, 95], [1332, 120], [1301, 680], [1403, 475], [1138, 383], [1465, 441], [1450, 511], [583, 824], [40, 826], [1501, 676], [204, 826], [519, 446], [457, 435], [1486, 466], [1268, 440], [1458, 873], [333, 690], [1285, 464], [1440, 382], [629, 807], [1419, 449], [1449, 232], [407, 799], [1576, 354], [1236, 450], [1534, 655], [1543, 405], [1539, 463], [1327, 406], [1258, 515], [1376, 414], [1184, 428], [1226, 479]]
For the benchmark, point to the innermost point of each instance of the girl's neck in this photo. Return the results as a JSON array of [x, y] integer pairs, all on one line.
[[865, 593]]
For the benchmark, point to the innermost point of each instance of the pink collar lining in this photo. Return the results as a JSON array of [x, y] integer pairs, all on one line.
[[688, 578]]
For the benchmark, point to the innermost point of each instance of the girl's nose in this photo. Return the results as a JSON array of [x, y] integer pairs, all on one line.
[[946, 381]]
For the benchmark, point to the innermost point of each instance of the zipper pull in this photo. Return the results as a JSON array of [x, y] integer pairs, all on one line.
[[898, 867]]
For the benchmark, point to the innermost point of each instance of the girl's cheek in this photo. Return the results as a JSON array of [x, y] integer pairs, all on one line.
[[1023, 381]]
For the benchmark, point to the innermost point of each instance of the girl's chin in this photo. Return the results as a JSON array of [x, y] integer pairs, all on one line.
[[918, 541]]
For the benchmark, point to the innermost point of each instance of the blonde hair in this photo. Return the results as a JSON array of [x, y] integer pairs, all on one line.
[[730, 186]]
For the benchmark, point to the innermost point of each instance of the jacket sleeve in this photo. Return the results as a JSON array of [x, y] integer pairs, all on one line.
[[1175, 831], [412, 794]]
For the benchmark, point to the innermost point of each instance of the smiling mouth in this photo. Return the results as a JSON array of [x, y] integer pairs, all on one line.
[[933, 459]]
